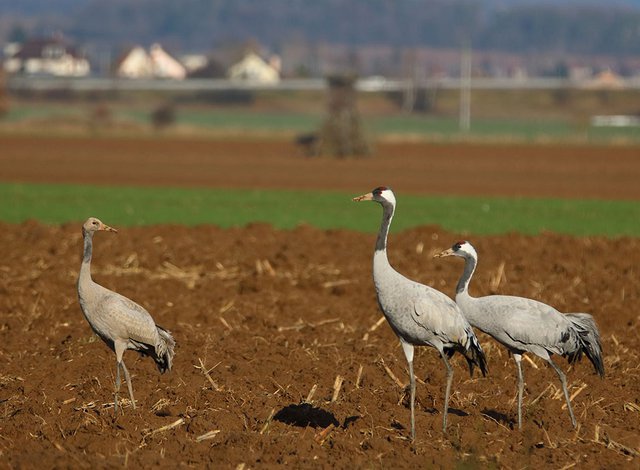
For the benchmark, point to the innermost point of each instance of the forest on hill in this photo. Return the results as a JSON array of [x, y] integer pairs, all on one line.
[[519, 26]]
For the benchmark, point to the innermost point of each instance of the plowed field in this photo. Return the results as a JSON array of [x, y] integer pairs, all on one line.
[[282, 357]]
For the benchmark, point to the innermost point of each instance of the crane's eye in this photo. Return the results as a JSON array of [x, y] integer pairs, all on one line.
[[95, 222]]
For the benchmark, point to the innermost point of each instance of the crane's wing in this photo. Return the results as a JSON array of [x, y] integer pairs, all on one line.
[[527, 321], [129, 320], [437, 313]]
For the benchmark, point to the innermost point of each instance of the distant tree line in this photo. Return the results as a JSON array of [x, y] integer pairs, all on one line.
[[572, 27], [201, 24]]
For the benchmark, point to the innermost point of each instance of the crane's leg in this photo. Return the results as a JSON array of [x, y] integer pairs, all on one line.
[[563, 381], [128, 379], [115, 402], [119, 348], [408, 353], [447, 390], [518, 359]]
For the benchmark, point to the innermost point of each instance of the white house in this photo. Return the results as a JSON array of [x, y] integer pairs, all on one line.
[[253, 68], [47, 57], [157, 63], [193, 62], [605, 80], [164, 65], [135, 63]]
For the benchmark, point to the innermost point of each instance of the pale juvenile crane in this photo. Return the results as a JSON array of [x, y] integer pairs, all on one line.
[[121, 323], [525, 325], [419, 314]]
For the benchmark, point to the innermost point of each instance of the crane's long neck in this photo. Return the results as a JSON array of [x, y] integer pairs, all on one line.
[[380, 254], [469, 267], [85, 267]]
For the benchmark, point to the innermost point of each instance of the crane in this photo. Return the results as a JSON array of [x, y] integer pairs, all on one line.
[[121, 323], [418, 314], [525, 325]]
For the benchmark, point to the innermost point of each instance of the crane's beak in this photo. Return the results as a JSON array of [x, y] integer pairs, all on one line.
[[108, 229], [364, 197], [442, 254]]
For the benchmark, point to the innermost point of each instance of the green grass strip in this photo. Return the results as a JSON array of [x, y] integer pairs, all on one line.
[[122, 206]]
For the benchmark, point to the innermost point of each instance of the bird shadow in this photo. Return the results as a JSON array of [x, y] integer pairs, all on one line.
[[500, 418], [435, 411], [457, 412], [305, 414]]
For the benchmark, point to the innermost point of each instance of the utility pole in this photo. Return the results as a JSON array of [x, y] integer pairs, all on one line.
[[465, 89]]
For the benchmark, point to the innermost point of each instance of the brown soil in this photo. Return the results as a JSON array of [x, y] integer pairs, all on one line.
[[574, 171], [276, 316]]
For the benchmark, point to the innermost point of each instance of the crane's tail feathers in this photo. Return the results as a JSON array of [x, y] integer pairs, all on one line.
[[589, 339], [164, 350], [474, 354]]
